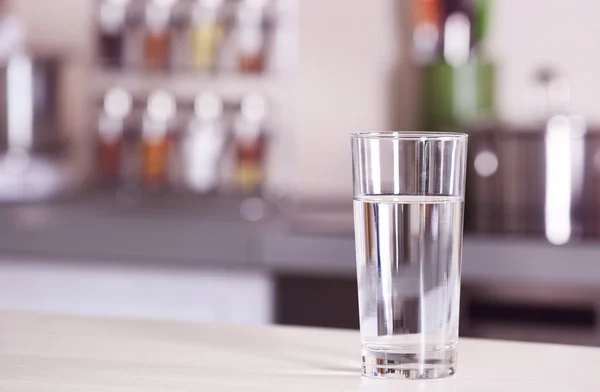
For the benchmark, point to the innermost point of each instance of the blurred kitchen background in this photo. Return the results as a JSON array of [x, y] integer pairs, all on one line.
[[190, 159]]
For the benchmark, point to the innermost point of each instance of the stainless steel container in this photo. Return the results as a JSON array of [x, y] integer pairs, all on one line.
[[541, 181], [591, 189], [29, 103], [34, 160]]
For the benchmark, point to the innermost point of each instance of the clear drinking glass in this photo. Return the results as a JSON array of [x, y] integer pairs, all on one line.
[[408, 219]]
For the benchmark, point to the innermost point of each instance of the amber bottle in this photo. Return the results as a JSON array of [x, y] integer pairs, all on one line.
[[250, 17], [111, 125], [156, 138], [158, 35], [250, 142]]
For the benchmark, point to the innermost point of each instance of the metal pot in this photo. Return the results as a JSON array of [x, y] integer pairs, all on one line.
[[34, 164], [591, 190], [534, 181], [29, 103]]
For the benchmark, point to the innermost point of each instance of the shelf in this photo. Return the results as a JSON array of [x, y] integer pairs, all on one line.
[[186, 84]]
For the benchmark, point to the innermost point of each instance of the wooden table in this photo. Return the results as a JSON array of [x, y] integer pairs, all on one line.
[[53, 353]]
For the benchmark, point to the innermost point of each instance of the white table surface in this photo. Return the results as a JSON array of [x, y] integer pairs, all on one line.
[[53, 353]]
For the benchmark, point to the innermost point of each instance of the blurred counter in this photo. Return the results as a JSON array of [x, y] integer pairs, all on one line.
[[211, 232], [173, 230], [190, 258], [50, 353]]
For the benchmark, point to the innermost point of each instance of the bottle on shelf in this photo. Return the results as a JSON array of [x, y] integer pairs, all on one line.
[[427, 16], [458, 81], [252, 48], [207, 33], [203, 144], [112, 19], [250, 143], [116, 109], [158, 34], [157, 121]]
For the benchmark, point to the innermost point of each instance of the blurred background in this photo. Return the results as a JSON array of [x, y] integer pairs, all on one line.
[[190, 159]]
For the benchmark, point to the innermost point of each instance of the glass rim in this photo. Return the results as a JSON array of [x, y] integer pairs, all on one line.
[[411, 135]]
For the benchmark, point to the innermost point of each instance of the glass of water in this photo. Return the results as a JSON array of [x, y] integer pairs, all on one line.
[[409, 192]]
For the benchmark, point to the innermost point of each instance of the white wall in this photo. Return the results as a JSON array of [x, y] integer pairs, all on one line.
[[347, 55], [58, 23], [527, 34], [348, 51]]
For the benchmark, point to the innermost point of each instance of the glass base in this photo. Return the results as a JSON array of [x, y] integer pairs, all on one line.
[[409, 365]]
